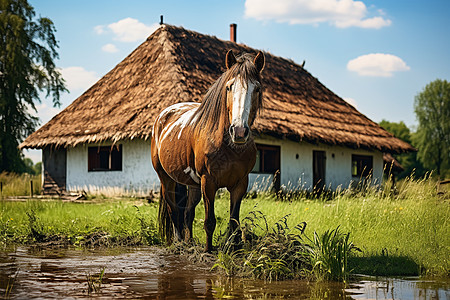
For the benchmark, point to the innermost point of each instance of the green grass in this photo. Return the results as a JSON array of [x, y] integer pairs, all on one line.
[[404, 232], [408, 229], [19, 185], [85, 224]]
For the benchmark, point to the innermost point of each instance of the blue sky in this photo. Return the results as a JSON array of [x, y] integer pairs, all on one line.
[[375, 54]]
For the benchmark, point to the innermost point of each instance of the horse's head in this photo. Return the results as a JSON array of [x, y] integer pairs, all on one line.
[[244, 93]]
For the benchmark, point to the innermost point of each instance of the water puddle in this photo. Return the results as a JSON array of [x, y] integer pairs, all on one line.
[[399, 288], [152, 273]]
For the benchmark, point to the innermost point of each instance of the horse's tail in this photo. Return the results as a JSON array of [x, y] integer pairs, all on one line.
[[164, 220]]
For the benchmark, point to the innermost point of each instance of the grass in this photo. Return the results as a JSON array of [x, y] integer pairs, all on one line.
[[408, 228], [402, 231], [19, 185], [94, 282], [104, 223], [281, 252]]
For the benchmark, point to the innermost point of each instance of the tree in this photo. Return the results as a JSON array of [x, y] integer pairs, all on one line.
[[399, 130], [432, 108], [408, 160], [27, 50]]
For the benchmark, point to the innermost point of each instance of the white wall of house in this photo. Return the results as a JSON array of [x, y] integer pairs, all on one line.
[[137, 173], [298, 172]]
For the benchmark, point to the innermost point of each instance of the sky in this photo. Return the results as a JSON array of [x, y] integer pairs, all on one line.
[[376, 55]]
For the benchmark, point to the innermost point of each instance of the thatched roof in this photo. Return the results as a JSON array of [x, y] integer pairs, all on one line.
[[391, 165], [175, 65]]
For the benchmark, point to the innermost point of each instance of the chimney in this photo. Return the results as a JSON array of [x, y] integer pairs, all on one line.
[[161, 20], [233, 32]]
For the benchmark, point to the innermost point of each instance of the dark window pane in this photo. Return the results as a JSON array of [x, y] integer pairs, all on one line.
[[267, 159], [271, 163], [116, 158], [362, 165], [105, 158]]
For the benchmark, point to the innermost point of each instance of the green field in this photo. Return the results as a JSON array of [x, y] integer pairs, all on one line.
[[399, 233]]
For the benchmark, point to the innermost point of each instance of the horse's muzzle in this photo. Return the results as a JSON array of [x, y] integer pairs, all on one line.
[[239, 134]]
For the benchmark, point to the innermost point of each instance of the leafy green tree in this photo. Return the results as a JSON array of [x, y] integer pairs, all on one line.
[[399, 130], [37, 168], [28, 165], [432, 108], [27, 52], [408, 160]]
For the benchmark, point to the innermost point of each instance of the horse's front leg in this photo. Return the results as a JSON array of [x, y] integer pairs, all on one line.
[[236, 194], [209, 189]]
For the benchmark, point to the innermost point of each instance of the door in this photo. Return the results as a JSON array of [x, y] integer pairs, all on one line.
[[55, 165], [318, 170]]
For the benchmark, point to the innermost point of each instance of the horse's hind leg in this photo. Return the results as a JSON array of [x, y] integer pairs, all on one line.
[[194, 197], [169, 215], [181, 199]]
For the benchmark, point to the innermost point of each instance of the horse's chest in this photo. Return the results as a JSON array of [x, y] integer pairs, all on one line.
[[228, 167]]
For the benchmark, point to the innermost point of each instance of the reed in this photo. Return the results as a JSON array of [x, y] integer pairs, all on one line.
[[94, 281], [279, 252], [329, 254]]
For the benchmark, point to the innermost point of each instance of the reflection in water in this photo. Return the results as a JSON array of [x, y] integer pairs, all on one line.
[[400, 288], [151, 273]]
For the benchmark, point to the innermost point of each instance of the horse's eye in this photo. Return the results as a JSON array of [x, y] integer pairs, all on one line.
[[229, 87], [258, 89]]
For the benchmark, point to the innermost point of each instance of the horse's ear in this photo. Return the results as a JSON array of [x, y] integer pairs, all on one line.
[[259, 61], [230, 59]]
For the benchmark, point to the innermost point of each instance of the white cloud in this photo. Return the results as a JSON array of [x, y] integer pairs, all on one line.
[[100, 29], [351, 101], [340, 13], [110, 48], [127, 30], [77, 78], [377, 65]]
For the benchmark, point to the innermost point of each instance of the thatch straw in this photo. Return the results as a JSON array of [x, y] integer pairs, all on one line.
[[175, 65]]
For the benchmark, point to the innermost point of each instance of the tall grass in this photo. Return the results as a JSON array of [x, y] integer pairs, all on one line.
[[19, 185], [280, 252], [402, 230], [329, 254], [407, 227], [94, 224]]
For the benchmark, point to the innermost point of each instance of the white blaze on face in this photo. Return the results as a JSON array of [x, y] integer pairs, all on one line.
[[242, 102]]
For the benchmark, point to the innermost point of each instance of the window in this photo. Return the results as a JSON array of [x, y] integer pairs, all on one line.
[[267, 159], [105, 158], [362, 165]]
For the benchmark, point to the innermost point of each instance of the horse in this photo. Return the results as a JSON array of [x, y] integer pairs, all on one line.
[[197, 148]]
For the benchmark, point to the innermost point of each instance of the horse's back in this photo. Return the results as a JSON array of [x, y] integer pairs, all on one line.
[[172, 133], [173, 118]]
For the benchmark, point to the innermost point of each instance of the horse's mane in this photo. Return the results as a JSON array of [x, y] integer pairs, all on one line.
[[214, 106]]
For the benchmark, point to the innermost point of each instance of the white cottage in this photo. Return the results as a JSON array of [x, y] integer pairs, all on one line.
[[306, 135]]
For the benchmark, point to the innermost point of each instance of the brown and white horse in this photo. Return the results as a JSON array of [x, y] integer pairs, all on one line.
[[199, 148]]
